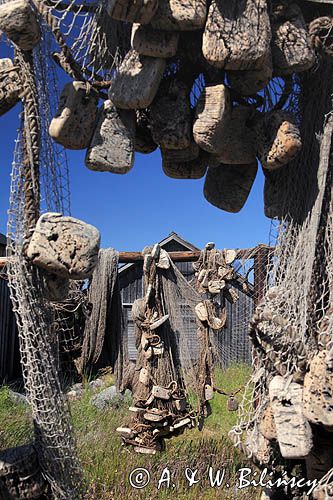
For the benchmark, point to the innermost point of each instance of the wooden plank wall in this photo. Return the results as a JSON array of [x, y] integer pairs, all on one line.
[[232, 343], [9, 347]]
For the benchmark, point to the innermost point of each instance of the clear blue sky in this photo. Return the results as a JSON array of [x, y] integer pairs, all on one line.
[[143, 206]]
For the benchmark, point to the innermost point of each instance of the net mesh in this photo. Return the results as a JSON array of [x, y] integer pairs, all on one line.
[[286, 327], [35, 154]]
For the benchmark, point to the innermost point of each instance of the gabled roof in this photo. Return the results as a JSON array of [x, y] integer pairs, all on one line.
[[175, 237], [172, 237]]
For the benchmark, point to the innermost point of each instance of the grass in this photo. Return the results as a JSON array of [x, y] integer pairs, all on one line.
[[107, 465]]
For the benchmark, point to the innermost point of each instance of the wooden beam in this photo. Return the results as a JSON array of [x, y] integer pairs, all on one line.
[[261, 264], [131, 257]]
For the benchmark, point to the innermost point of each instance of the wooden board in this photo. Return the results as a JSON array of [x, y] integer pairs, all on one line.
[[154, 43], [237, 140], [10, 85], [64, 246], [252, 81], [133, 11], [291, 50], [137, 81], [293, 431], [212, 116], [179, 15], [74, 123], [237, 34], [19, 22], [278, 139], [228, 186], [170, 117], [318, 392], [112, 145]]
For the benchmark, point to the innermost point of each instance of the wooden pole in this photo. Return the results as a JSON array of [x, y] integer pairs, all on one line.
[[261, 262], [130, 257]]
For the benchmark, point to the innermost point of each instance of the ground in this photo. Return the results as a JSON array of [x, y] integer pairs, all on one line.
[[108, 465]]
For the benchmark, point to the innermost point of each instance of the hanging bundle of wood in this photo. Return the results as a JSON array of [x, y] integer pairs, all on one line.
[[165, 369], [139, 11], [193, 71], [215, 281], [179, 15], [154, 43]]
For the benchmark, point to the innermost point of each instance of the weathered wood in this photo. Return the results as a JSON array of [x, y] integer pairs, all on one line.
[[267, 425], [170, 117], [237, 34], [212, 116], [74, 123], [137, 81], [112, 144], [278, 139], [144, 142], [10, 85], [179, 15], [318, 392], [231, 295], [133, 11], [320, 460], [19, 22], [228, 186], [64, 246], [293, 431], [170, 156], [20, 474], [273, 196], [154, 43], [237, 141], [128, 257], [291, 49], [161, 392], [252, 81], [193, 169], [261, 262]]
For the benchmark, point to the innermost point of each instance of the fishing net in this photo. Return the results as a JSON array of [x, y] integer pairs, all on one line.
[[100, 325], [39, 179], [292, 323]]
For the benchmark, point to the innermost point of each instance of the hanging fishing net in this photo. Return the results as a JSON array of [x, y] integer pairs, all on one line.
[[290, 329]]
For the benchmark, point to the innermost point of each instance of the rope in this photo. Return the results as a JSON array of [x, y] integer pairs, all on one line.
[[31, 140], [65, 60], [321, 34]]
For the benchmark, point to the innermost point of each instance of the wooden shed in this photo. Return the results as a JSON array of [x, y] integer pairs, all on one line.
[[233, 342]]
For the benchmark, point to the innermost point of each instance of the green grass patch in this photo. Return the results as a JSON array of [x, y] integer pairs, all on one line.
[[108, 465]]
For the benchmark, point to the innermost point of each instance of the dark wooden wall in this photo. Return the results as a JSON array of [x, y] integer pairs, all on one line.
[[232, 343], [9, 347]]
